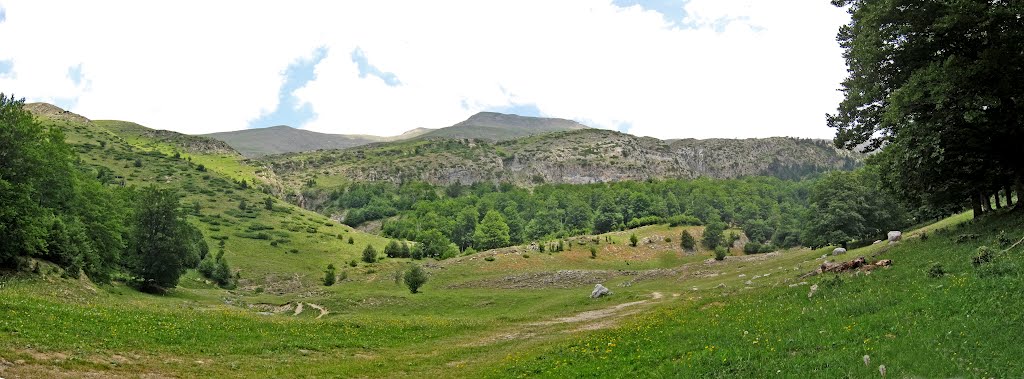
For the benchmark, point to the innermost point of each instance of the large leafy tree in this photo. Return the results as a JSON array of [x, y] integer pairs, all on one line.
[[162, 244], [465, 226], [937, 82], [492, 232]]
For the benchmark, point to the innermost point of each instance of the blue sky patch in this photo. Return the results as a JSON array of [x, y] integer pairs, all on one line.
[[529, 110], [6, 67], [365, 68], [75, 74], [671, 10], [289, 111]]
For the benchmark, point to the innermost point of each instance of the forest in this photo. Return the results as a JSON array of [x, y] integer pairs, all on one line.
[[834, 208]]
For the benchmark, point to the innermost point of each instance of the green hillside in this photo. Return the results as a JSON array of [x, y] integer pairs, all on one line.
[[493, 126], [574, 157], [283, 139]]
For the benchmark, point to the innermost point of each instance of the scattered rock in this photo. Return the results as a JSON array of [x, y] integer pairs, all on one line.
[[814, 289], [797, 284], [838, 251], [876, 242], [720, 285], [599, 291], [749, 282], [895, 236], [867, 360]]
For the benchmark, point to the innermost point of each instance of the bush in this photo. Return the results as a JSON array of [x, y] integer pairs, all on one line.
[[936, 270], [593, 252], [687, 242], [984, 255], [353, 263], [414, 278], [489, 259], [329, 275], [682, 220], [644, 221], [1004, 240], [632, 240], [720, 253], [758, 248], [351, 241], [714, 235], [369, 254], [217, 270]]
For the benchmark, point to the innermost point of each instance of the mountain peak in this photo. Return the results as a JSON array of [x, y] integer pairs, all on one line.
[[50, 111], [504, 120]]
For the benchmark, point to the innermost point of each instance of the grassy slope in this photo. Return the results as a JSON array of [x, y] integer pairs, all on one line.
[[961, 324], [913, 324]]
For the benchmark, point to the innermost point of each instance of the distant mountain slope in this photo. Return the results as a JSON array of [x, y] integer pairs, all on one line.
[[184, 142], [499, 127], [284, 139], [485, 126], [578, 156], [53, 112]]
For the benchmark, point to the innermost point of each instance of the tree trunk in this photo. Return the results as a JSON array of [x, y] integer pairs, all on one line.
[[976, 205], [995, 202], [1009, 194], [984, 202]]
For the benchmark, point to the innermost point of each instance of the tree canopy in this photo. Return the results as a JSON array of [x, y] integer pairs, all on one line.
[[938, 84]]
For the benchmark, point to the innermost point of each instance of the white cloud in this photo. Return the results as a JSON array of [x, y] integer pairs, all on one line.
[[199, 67]]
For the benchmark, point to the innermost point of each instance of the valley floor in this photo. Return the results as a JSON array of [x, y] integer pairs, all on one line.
[[526, 313]]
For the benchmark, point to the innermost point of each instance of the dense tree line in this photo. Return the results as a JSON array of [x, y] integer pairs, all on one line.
[[445, 220], [55, 209]]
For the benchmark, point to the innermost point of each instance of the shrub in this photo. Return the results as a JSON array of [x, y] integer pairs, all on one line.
[[632, 240], [682, 220], [329, 275], [984, 255], [351, 241], [720, 253], [353, 263], [526, 255], [593, 252], [369, 254], [644, 221], [936, 270], [414, 278], [489, 259], [966, 237], [686, 241], [1003, 239], [714, 235], [393, 250]]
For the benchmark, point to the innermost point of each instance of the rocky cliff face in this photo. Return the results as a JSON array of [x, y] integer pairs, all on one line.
[[579, 156]]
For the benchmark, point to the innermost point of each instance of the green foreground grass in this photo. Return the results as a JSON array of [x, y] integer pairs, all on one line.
[[706, 319], [966, 323]]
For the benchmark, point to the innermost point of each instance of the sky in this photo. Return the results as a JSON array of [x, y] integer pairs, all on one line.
[[660, 68]]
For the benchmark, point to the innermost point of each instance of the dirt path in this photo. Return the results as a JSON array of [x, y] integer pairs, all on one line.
[[598, 319], [323, 311], [298, 309]]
